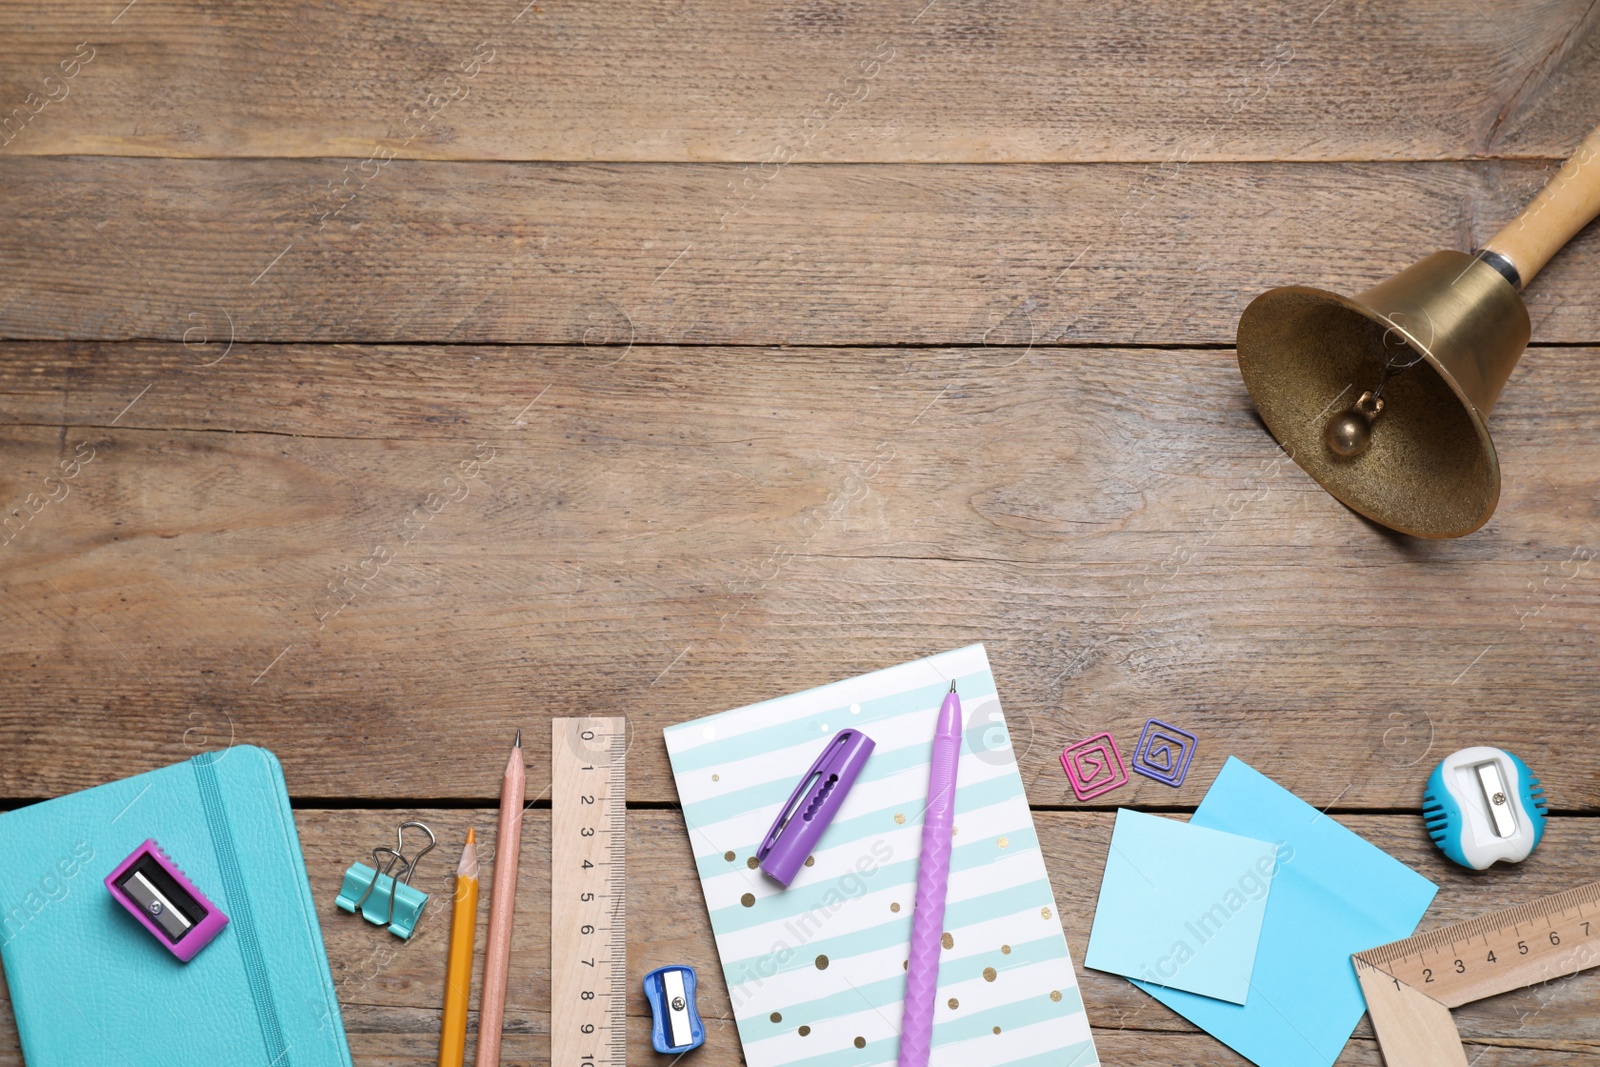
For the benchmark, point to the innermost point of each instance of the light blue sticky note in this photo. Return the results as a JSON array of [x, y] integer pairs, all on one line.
[[1181, 905], [1333, 894]]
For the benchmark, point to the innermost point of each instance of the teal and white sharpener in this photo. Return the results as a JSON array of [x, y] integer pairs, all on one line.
[[1482, 805]]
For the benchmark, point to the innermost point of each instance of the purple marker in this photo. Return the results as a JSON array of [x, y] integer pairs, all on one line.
[[812, 805], [165, 902], [933, 879]]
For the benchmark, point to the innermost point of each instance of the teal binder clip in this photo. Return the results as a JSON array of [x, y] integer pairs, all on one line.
[[386, 897]]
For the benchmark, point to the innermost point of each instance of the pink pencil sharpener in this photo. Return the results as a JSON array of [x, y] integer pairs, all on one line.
[[165, 902]]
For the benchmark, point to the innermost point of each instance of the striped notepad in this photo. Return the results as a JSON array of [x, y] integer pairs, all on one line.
[[816, 972]]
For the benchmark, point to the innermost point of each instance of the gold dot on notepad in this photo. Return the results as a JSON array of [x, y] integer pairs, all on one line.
[[895, 907], [777, 1017], [861, 1042], [1055, 995], [990, 974], [748, 900], [804, 1030], [811, 861], [947, 941], [997, 1029], [954, 1003], [954, 830], [905, 965], [899, 818], [1044, 913], [716, 777], [752, 863], [822, 963], [1003, 842], [1005, 950], [729, 856]]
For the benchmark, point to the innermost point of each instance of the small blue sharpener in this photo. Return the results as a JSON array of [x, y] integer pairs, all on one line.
[[675, 1025], [1482, 805]]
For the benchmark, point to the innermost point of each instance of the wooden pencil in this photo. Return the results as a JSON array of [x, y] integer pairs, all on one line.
[[458, 972], [502, 902]]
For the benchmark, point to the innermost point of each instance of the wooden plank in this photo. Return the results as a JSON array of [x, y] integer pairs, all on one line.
[[996, 256], [377, 1042], [691, 80], [993, 256], [431, 548], [390, 991]]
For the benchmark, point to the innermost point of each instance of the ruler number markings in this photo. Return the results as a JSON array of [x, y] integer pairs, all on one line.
[[588, 917], [1537, 942]]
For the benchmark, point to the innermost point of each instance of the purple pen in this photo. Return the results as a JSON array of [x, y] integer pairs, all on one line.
[[933, 879]]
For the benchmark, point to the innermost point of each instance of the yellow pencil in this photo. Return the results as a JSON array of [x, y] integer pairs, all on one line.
[[458, 973]]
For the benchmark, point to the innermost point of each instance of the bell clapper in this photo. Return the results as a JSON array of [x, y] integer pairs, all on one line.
[[1350, 432]]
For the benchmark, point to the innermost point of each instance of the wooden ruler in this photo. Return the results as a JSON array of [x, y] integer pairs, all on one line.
[[588, 906], [1411, 985]]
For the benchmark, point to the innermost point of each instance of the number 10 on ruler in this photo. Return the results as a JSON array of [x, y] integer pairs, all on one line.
[[588, 913]]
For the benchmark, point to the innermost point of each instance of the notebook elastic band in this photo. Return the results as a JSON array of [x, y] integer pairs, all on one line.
[[242, 915]]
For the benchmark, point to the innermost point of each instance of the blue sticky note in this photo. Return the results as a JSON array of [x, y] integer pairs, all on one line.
[[1333, 894], [1181, 905]]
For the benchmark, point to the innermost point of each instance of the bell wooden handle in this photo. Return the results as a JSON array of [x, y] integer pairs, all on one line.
[[1563, 207]]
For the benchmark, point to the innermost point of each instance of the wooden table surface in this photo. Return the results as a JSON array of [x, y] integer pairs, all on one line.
[[424, 372]]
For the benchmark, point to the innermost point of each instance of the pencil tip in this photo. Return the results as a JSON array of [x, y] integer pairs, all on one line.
[[952, 687], [518, 742], [472, 835]]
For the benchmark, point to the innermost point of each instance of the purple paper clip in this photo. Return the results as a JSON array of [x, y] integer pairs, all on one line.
[[165, 902], [812, 805], [1155, 757]]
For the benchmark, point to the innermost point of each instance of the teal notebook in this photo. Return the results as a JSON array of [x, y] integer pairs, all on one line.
[[91, 987]]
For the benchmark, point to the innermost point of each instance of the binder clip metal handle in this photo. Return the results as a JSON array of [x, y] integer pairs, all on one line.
[[383, 893]]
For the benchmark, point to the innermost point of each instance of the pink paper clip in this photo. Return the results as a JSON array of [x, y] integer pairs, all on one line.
[[1094, 766]]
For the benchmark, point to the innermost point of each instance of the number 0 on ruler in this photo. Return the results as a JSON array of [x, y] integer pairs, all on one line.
[[588, 877]]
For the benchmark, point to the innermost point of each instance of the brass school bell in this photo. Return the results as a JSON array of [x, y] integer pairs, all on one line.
[[1383, 397]]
